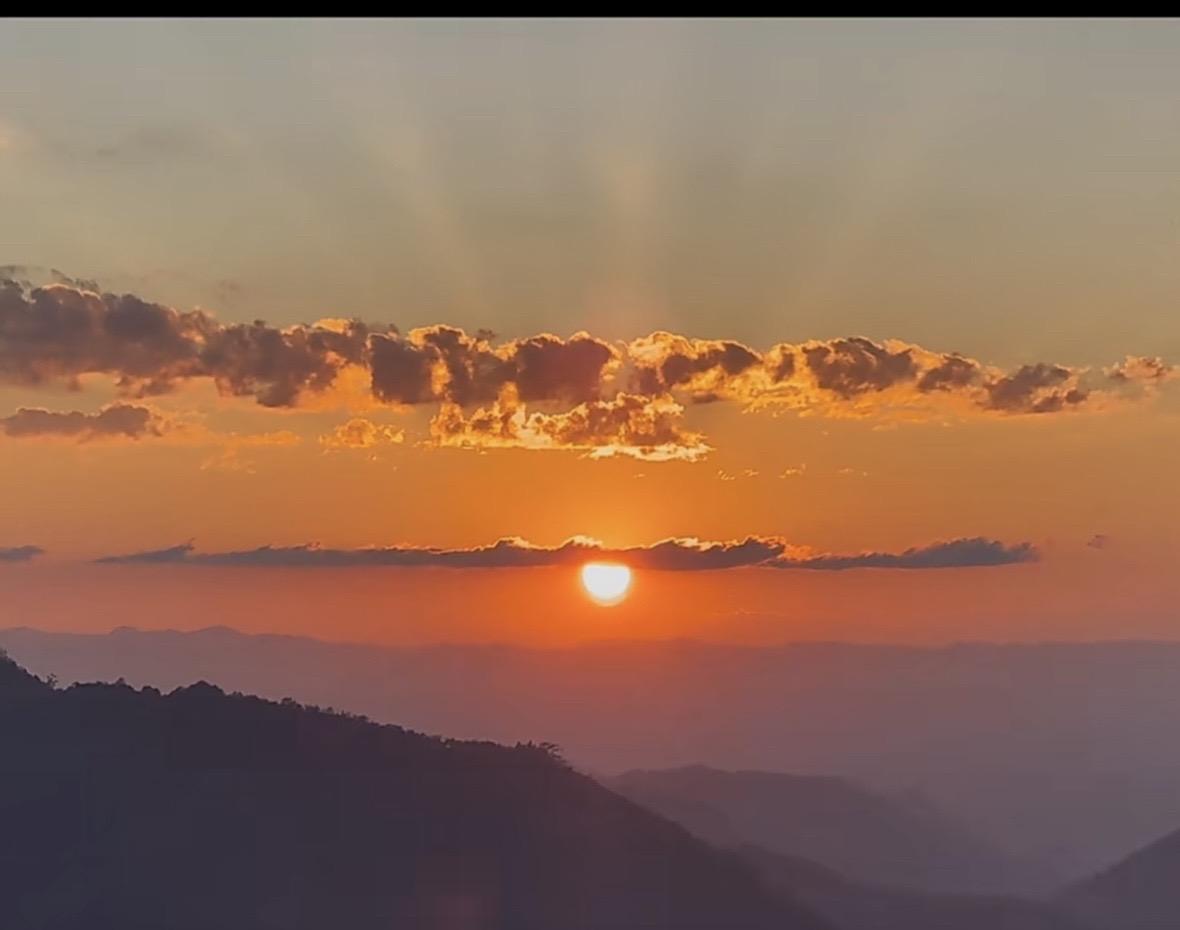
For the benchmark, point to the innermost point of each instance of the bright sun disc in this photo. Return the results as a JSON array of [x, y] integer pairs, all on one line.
[[606, 583]]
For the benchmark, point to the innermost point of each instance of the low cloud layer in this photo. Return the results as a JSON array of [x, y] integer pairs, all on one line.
[[580, 393], [125, 421], [19, 553], [955, 553], [667, 555]]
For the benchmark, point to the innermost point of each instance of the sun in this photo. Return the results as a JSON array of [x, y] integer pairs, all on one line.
[[607, 583]]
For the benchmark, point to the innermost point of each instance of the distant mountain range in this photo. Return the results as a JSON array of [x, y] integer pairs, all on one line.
[[857, 858], [134, 810], [1142, 892], [831, 821], [1060, 756], [858, 906]]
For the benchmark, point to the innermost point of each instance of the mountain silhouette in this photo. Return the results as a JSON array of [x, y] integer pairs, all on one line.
[[857, 906], [1141, 892], [831, 821], [985, 731], [197, 809]]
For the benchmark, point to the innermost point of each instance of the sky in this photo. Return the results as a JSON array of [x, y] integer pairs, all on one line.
[[378, 330]]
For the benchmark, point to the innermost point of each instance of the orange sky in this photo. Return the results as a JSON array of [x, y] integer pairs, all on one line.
[[1085, 488], [1092, 597], [720, 211]]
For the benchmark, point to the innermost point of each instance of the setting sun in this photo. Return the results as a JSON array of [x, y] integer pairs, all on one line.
[[606, 583]]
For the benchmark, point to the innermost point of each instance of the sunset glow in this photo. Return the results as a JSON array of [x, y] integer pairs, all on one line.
[[394, 326]]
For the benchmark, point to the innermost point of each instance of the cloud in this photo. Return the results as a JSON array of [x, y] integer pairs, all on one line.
[[679, 554], [359, 433], [31, 276], [121, 421], [856, 376], [58, 333], [951, 372], [848, 367], [1039, 388], [134, 422], [544, 391], [704, 369], [1142, 371], [445, 364], [20, 553], [170, 555], [690, 554], [277, 366], [630, 425], [956, 553], [723, 475], [1140, 368]]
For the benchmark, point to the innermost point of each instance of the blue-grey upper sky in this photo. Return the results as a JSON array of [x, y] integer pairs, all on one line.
[[1010, 189]]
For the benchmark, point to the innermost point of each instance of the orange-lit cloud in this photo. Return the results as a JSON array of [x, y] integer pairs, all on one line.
[[542, 392], [630, 425], [1149, 372], [859, 377], [359, 433], [682, 554]]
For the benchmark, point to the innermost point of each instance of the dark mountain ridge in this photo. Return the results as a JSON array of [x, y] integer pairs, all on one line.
[[130, 810]]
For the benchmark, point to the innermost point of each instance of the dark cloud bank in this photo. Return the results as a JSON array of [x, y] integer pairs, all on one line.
[[127, 421], [20, 553], [667, 555]]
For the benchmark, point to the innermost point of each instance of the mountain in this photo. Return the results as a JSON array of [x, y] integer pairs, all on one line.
[[17, 687], [855, 906], [1142, 892], [984, 731], [136, 810], [830, 821]]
